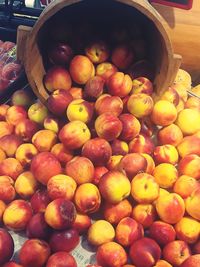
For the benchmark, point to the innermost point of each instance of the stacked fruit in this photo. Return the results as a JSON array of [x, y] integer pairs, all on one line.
[[108, 150]]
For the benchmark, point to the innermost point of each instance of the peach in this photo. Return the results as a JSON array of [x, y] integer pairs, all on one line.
[[65, 240], [17, 215], [61, 186], [119, 84], [12, 264], [184, 78], [34, 253], [21, 98], [61, 153], [26, 129], [37, 227], [192, 261], [80, 110], [81, 169], [61, 259], [9, 144], [132, 163], [185, 185], [2, 209], [128, 231], [196, 90], [97, 52], [37, 113], [108, 126], [176, 252], [58, 101], [111, 254], [60, 214], [162, 232], [11, 167], [114, 186], [105, 70], [99, 171], [140, 105], [162, 263], [98, 150], [76, 92], [7, 246], [15, 114], [107, 103], [171, 135], [150, 163], [100, 232], [114, 213], [190, 165], [87, 198], [45, 165], [94, 88], [3, 111], [119, 147], [189, 145], [52, 124], [145, 252], [44, 140], [26, 185], [7, 190], [171, 95], [192, 204], [141, 144], [122, 56], [5, 128], [25, 153], [165, 175], [144, 188], [145, 214], [170, 208], [40, 200], [166, 154], [193, 103], [181, 91], [74, 134], [113, 163], [188, 121], [130, 127], [82, 222], [2, 155], [59, 53], [57, 78], [142, 85], [164, 113], [81, 69]]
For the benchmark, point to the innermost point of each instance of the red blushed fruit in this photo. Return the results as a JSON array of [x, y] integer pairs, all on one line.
[[34, 253], [105, 70], [119, 84], [142, 85], [111, 254], [26, 129], [37, 227], [141, 144], [162, 232], [98, 173], [9, 144], [12, 264], [11, 167], [145, 252], [58, 101], [6, 246], [107, 103], [98, 150], [147, 127], [94, 88], [123, 56], [3, 111], [15, 114], [45, 165], [60, 53], [119, 147], [132, 164], [61, 259], [192, 261], [64, 240], [40, 200], [82, 223], [130, 127], [97, 52]]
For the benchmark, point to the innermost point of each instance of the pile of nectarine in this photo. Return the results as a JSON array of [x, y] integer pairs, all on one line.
[[108, 159]]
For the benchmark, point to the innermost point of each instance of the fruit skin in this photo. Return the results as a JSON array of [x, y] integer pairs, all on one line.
[[176, 252], [40, 200], [81, 110], [15, 114], [2, 209], [192, 261], [52, 124], [122, 56], [119, 84], [130, 127], [99, 171], [119, 148], [162, 263], [60, 214], [37, 113], [26, 129], [144, 188], [192, 204], [128, 231], [6, 247], [166, 154], [6, 128], [34, 253], [171, 135], [165, 175], [114, 186], [111, 254], [164, 113], [193, 103], [62, 153], [44, 140], [98, 150], [189, 145], [100, 232], [57, 78], [12, 264], [145, 252], [21, 98], [87, 198], [17, 215], [97, 52], [190, 165], [82, 223], [7, 190], [150, 163], [81, 69], [107, 103], [61, 259], [9, 144], [45, 165], [74, 134], [105, 70], [145, 214], [185, 185], [65, 240], [60, 53], [170, 208], [11, 167], [142, 85], [94, 88], [25, 153], [141, 144], [3, 110], [81, 169], [162, 232]]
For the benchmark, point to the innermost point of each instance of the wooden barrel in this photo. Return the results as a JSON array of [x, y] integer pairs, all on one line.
[[161, 51]]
